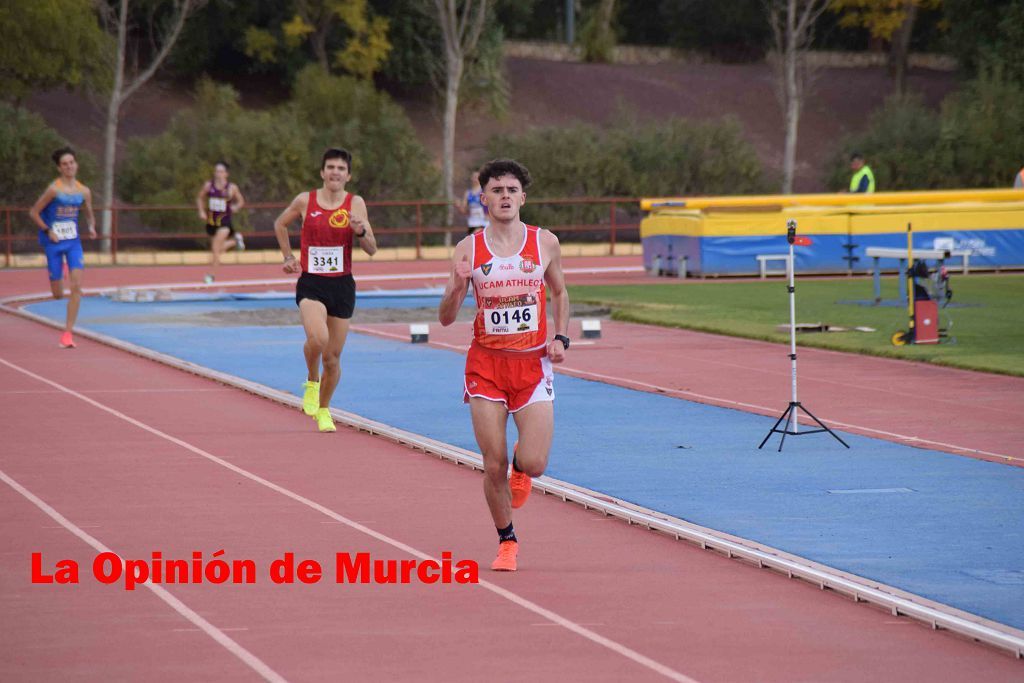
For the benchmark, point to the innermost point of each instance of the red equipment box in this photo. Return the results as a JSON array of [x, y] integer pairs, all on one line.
[[926, 322]]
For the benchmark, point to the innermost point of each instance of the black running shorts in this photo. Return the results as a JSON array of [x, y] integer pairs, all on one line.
[[211, 230], [337, 293]]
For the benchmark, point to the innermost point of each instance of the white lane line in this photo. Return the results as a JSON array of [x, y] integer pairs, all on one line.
[[714, 400], [246, 657], [568, 624], [20, 298], [119, 391]]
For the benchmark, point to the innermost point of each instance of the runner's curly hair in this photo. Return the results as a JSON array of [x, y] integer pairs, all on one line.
[[497, 168]]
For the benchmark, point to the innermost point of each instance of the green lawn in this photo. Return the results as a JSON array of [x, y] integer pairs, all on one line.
[[989, 332]]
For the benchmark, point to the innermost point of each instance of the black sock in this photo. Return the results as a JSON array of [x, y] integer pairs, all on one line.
[[515, 464], [507, 534]]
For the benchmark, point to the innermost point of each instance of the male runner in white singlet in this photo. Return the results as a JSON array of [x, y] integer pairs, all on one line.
[[512, 266]]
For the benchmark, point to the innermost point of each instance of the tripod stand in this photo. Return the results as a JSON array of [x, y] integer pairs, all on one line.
[[791, 413]]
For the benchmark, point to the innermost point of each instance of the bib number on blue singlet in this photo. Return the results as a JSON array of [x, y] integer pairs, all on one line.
[[477, 217], [64, 230]]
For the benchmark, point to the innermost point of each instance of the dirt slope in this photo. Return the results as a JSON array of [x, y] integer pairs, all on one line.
[[551, 93]]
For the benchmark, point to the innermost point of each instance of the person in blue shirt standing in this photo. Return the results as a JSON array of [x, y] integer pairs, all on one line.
[[471, 207], [56, 213]]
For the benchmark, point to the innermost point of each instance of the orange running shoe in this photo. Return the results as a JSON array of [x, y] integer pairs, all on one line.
[[519, 483], [506, 559], [66, 340]]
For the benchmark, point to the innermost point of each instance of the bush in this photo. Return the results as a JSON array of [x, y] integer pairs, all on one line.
[[675, 157], [389, 162], [268, 152], [901, 145], [274, 154], [976, 142], [983, 133], [686, 158], [26, 143]]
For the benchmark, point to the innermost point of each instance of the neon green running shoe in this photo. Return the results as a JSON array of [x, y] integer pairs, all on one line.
[[310, 398], [324, 421]]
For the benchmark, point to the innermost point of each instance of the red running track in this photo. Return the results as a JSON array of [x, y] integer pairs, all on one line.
[[144, 458]]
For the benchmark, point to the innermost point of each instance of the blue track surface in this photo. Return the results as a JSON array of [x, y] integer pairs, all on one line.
[[945, 527]]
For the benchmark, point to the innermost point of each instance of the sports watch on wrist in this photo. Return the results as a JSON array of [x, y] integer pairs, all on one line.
[[562, 338]]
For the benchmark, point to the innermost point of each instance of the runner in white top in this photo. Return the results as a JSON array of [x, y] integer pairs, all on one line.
[[511, 266]]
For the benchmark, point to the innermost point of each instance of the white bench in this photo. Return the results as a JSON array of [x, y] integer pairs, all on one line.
[[933, 254], [762, 262], [901, 255]]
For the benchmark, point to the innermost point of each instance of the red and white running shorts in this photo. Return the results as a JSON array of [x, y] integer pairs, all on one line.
[[517, 379]]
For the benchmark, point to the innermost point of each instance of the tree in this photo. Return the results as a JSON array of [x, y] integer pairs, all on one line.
[[48, 43], [598, 34], [316, 21], [888, 20], [388, 159], [461, 22], [275, 152], [162, 35], [26, 143], [792, 23], [977, 140], [903, 140], [986, 35]]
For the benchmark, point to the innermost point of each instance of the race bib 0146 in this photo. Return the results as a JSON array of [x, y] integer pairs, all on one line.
[[512, 319], [321, 260]]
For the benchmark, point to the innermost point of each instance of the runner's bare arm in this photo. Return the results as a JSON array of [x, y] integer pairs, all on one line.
[[361, 226], [295, 210], [34, 213], [555, 280], [201, 200], [238, 201], [90, 217], [455, 292]]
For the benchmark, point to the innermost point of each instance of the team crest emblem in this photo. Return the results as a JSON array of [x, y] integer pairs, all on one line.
[[339, 219], [486, 268], [527, 265]]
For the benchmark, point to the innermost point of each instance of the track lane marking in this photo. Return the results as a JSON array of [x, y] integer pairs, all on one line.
[[218, 635], [223, 639]]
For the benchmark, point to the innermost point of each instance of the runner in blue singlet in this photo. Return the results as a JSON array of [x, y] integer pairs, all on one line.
[[56, 213], [472, 208]]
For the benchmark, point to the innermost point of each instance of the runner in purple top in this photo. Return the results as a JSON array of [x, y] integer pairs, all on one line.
[[216, 201]]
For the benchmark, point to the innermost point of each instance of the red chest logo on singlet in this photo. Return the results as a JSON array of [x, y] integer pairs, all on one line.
[[527, 265], [339, 219]]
